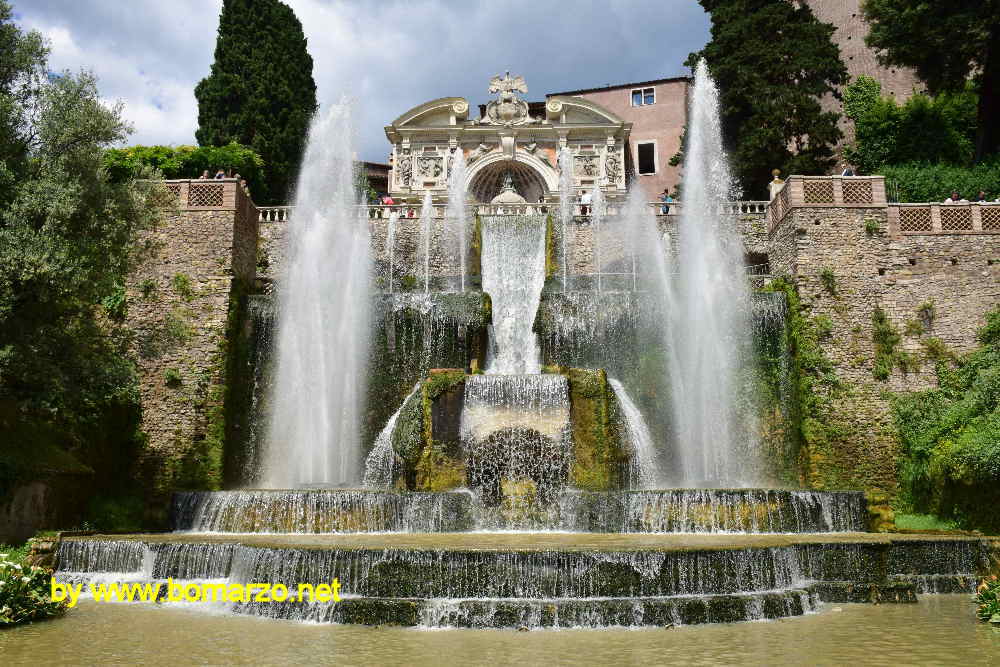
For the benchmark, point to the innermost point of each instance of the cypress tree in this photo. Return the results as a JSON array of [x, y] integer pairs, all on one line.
[[773, 61], [260, 92]]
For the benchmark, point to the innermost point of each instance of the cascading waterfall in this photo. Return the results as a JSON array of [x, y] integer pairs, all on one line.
[[426, 232], [513, 266], [565, 206], [379, 466], [643, 469], [323, 319], [457, 211], [708, 332]]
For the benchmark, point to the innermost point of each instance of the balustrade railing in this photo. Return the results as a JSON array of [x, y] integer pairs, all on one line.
[[935, 218], [384, 211]]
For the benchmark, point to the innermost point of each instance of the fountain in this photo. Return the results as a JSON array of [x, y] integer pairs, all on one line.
[[322, 330], [519, 479], [708, 309]]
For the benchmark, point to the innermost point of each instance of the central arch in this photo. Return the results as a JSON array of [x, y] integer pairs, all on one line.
[[532, 181]]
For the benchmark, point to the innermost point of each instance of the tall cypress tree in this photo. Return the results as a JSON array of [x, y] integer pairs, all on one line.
[[773, 60], [260, 91]]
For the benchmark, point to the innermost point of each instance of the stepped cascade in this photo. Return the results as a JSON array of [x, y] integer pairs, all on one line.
[[532, 410]]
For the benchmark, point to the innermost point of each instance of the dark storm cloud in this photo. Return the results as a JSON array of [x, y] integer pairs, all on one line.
[[388, 56]]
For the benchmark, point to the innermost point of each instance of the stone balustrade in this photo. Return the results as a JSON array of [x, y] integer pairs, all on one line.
[[384, 212], [826, 192], [935, 218]]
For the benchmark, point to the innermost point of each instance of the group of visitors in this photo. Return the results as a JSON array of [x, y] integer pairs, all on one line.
[[956, 198], [223, 173]]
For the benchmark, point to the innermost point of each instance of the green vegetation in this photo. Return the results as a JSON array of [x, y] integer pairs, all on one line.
[[872, 227], [771, 82], [923, 522], [186, 162], [172, 377], [957, 41], [886, 338], [988, 601], [921, 182], [923, 130], [599, 456], [829, 281], [951, 438], [24, 592], [260, 92], [182, 285], [68, 394], [147, 288], [913, 328]]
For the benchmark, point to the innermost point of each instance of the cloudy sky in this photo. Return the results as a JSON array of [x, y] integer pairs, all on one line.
[[388, 55]]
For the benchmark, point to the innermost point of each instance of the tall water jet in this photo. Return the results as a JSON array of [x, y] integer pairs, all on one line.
[[709, 314], [513, 266], [598, 209], [390, 242], [323, 319], [457, 211], [426, 231], [565, 205]]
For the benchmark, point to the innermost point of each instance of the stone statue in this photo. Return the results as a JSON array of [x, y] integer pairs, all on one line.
[[403, 168], [612, 165], [480, 151]]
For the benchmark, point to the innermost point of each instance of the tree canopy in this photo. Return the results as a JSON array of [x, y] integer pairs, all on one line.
[[773, 61], [940, 129], [67, 240], [947, 43], [260, 92]]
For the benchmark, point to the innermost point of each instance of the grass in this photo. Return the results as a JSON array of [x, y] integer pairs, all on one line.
[[923, 522], [17, 553]]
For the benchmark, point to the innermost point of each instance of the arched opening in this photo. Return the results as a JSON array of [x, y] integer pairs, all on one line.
[[487, 183]]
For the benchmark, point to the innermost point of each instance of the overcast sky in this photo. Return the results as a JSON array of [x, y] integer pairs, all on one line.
[[388, 55]]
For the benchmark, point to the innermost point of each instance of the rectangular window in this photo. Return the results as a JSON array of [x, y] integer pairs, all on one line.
[[646, 157], [643, 97]]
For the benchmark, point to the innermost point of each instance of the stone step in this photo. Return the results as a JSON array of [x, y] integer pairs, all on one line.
[[650, 568]]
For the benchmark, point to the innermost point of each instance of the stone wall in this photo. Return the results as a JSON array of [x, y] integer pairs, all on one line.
[[847, 262], [198, 266]]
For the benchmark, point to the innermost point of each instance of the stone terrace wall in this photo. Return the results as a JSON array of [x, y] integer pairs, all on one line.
[[849, 259], [199, 264]]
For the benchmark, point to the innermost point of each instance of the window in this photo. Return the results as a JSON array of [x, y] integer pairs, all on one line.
[[647, 157], [643, 97]]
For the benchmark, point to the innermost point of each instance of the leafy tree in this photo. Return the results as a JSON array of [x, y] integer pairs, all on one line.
[[947, 43], [773, 61], [260, 92], [67, 240], [924, 129]]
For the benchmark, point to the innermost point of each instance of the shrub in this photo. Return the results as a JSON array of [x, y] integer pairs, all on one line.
[[886, 338], [988, 599], [25, 593], [186, 162], [913, 328], [148, 288], [872, 227], [172, 377], [824, 327], [829, 281], [182, 285], [927, 182]]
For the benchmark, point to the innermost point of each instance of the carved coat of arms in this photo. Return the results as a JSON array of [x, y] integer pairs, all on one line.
[[508, 108]]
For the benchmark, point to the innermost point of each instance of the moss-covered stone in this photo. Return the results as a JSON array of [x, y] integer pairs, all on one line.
[[600, 455]]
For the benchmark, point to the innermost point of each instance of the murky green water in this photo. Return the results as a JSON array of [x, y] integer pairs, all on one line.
[[940, 630]]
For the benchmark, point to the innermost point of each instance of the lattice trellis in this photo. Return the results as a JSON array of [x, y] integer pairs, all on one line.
[[174, 189], [956, 218], [857, 192], [991, 218], [915, 219], [818, 192], [205, 194]]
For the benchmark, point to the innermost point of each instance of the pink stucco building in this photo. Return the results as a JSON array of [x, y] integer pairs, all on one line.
[[658, 111]]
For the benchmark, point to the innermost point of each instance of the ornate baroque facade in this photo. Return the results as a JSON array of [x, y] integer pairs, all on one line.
[[508, 139]]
